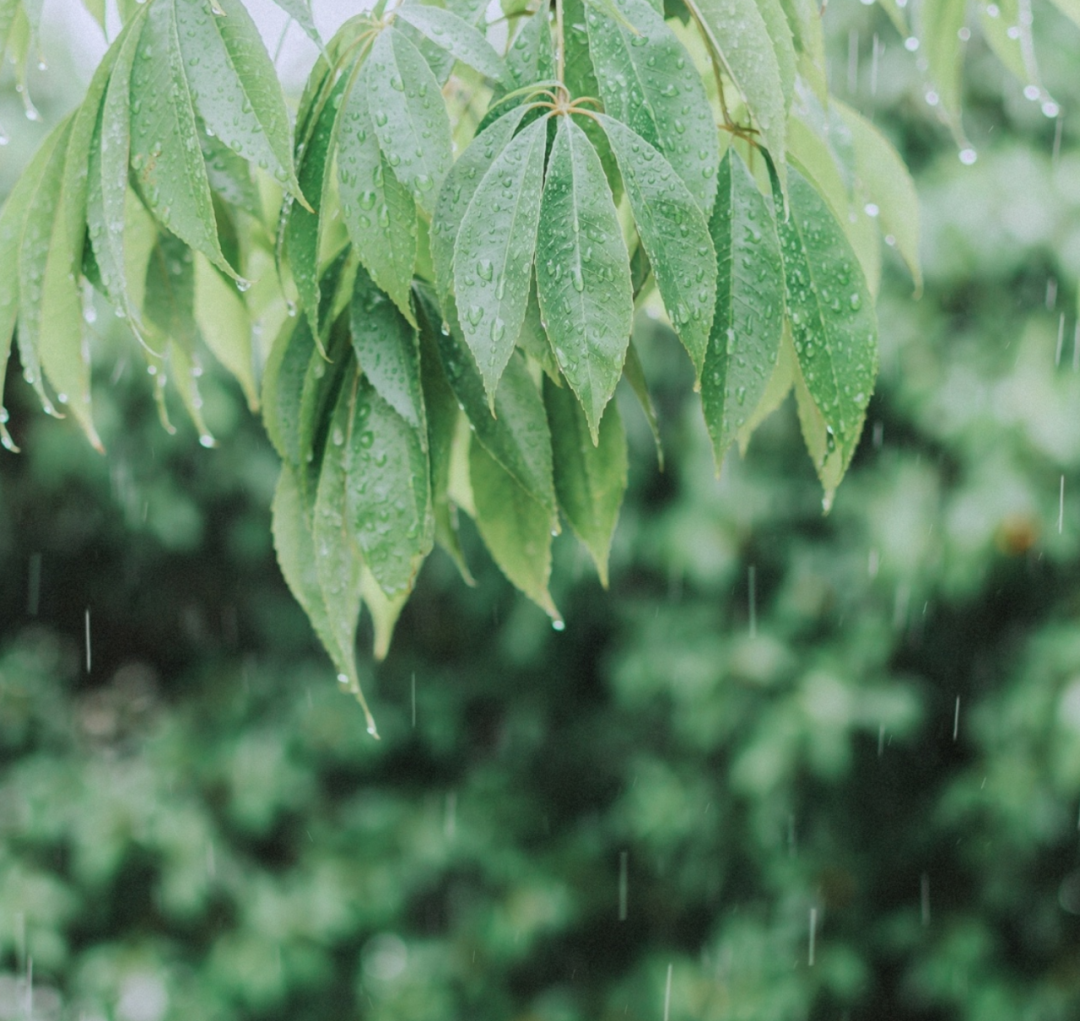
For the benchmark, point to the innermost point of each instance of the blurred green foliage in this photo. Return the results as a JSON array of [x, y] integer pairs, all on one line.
[[830, 766]]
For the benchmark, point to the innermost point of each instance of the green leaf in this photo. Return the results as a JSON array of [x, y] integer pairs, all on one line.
[[457, 192], [234, 84], [410, 116], [805, 21], [516, 435], [225, 325], [165, 152], [379, 211], [649, 82], [745, 339], [169, 296], [583, 272], [940, 22], [493, 254], [515, 528], [295, 549], [384, 611], [739, 36], [635, 376], [881, 171], [455, 35], [386, 347], [531, 57], [303, 228], [388, 489], [300, 12], [230, 176], [533, 339], [283, 385], [779, 386], [589, 480], [1070, 8], [443, 416], [772, 13], [832, 324], [674, 233]]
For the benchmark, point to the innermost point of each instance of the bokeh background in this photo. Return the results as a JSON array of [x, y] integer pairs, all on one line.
[[789, 767]]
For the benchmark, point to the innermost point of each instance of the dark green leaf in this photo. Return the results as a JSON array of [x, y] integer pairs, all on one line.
[[386, 347], [410, 116], [635, 376], [674, 233], [649, 82], [745, 339], [583, 272], [589, 480], [515, 528], [378, 209], [533, 339], [493, 254], [283, 385], [451, 33], [389, 494], [832, 324]]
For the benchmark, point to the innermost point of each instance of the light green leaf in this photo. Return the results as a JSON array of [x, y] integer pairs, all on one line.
[[832, 324], [745, 339], [455, 35], [739, 36], [410, 116], [517, 434], [169, 295], [302, 228], [583, 272], [296, 556], [589, 480], [674, 233], [515, 528], [300, 12], [165, 152], [805, 21], [282, 386], [772, 13], [379, 211], [389, 493], [225, 325], [940, 22], [493, 254], [779, 386], [457, 192], [386, 347], [531, 58], [882, 172], [235, 87], [649, 82], [1070, 8], [384, 611], [230, 176]]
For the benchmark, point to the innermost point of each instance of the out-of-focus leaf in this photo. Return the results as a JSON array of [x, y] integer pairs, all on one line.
[[583, 271], [635, 376], [805, 20], [531, 57], [940, 22], [451, 33], [225, 326], [300, 12]]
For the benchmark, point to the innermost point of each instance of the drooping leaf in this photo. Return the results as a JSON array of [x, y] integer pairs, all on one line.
[[379, 211], [531, 57], [303, 228], [386, 347], [739, 36], [516, 435], [389, 494], [457, 192], [533, 339], [515, 528], [300, 12], [635, 376], [229, 175], [169, 295], [583, 271], [940, 22], [745, 339], [225, 326], [410, 117], [493, 254], [778, 387], [888, 184], [590, 480], [805, 20], [455, 35], [649, 82], [772, 13], [283, 384], [234, 85], [674, 233], [384, 611], [832, 324], [296, 556]]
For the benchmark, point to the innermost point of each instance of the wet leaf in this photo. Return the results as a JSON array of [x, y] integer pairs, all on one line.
[[805, 21], [455, 35], [225, 326], [590, 480], [515, 528], [832, 324], [493, 254], [384, 611], [649, 82], [745, 338], [300, 12], [675, 235], [583, 271], [230, 176], [635, 376], [940, 22], [379, 211], [410, 117], [531, 57]]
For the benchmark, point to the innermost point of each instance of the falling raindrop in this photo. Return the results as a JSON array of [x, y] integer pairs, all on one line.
[[1061, 505], [667, 994], [877, 51], [87, 622], [752, 598], [956, 720], [412, 687], [1059, 127], [558, 624], [968, 156], [813, 937]]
